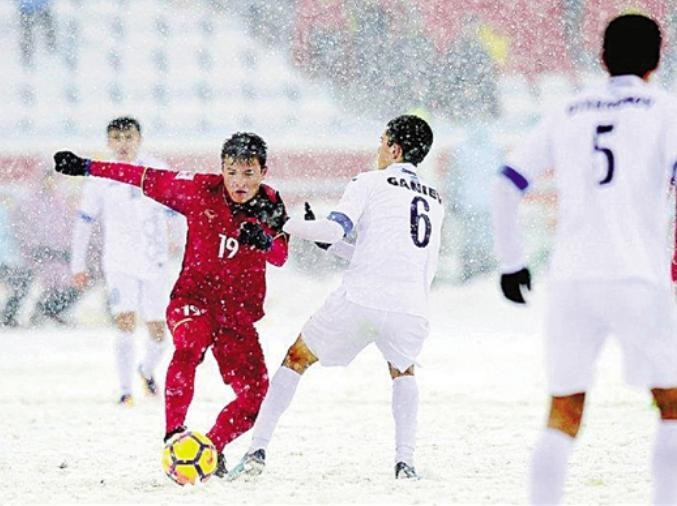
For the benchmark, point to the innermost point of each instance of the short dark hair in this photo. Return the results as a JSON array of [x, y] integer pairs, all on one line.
[[413, 135], [632, 45], [123, 123], [244, 146]]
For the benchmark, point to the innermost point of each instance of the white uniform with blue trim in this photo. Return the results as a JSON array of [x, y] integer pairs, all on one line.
[[612, 149], [135, 244], [384, 295]]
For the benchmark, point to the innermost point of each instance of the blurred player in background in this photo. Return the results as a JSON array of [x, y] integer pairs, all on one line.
[[384, 296], [613, 149], [42, 221], [134, 257], [234, 229]]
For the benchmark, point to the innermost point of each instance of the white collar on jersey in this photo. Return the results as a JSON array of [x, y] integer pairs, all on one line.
[[626, 80], [406, 167]]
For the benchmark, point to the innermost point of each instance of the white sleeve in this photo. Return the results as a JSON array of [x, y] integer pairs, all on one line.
[[323, 230], [353, 202], [88, 211], [81, 234], [531, 157], [342, 249], [507, 240]]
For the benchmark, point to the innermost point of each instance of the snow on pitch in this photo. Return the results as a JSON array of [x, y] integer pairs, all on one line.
[[482, 402]]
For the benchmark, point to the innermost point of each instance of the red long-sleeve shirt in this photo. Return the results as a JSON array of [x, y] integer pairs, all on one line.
[[217, 270]]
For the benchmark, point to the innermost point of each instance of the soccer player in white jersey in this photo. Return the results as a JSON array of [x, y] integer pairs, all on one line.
[[134, 259], [385, 291], [613, 149]]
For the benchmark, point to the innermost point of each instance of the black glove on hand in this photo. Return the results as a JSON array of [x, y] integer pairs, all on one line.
[[70, 164], [310, 216], [267, 211], [253, 235], [511, 285]]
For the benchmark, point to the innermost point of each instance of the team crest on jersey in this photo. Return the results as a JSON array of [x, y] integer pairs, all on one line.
[[184, 174], [210, 214]]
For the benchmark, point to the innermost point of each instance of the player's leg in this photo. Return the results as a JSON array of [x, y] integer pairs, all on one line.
[[334, 335], [240, 359], [646, 329], [192, 332], [664, 461], [281, 392], [575, 330], [123, 293], [400, 341], [153, 300], [405, 414], [278, 398]]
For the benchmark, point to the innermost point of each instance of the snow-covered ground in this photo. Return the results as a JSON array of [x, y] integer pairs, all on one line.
[[64, 440]]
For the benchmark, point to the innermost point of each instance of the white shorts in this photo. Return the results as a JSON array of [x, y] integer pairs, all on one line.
[[341, 329], [129, 294], [580, 316]]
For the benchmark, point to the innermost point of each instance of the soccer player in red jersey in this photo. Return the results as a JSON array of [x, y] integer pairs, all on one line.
[[234, 229]]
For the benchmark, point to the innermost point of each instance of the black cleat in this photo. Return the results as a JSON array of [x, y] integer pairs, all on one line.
[[250, 465], [148, 383], [221, 469], [404, 471], [126, 400], [174, 432]]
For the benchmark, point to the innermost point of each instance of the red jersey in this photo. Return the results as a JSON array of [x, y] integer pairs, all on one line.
[[227, 277]]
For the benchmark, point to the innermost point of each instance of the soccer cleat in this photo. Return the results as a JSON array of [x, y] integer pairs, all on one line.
[[250, 465], [179, 430], [126, 400], [148, 383], [404, 471], [221, 469]]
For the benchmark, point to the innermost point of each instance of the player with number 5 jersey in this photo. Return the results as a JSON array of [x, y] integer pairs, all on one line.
[[234, 229], [397, 217], [613, 152]]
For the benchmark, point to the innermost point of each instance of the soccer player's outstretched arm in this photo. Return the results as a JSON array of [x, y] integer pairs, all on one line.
[[340, 222], [525, 163], [173, 189]]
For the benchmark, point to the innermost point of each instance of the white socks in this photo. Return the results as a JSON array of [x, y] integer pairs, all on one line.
[[279, 396], [549, 467], [124, 359], [405, 411], [664, 463], [154, 351]]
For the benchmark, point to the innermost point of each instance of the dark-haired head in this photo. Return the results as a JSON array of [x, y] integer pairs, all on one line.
[[412, 134], [244, 146], [123, 123], [632, 45]]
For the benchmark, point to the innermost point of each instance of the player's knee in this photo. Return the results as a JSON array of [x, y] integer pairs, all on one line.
[[566, 413], [299, 357], [666, 400], [126, 322], [396, 373], [156, 329]]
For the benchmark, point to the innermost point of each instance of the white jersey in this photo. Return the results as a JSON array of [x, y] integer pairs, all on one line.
[[135, 236], [613, 148], [398, 219]]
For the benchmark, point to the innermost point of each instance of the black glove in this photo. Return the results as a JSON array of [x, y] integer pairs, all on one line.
[[253, 235], [70, 164], [511, 285], [261, 207], [310, 216]]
